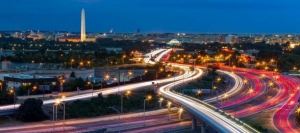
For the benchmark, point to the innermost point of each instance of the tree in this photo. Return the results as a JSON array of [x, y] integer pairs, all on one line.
[[31, 111], [72, 75], [80, 82], [5, 96]]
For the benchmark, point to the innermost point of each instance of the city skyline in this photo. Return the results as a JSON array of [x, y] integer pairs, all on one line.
[[192, 16]]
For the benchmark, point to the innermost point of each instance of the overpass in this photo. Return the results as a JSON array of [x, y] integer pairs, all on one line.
[[208, 114]]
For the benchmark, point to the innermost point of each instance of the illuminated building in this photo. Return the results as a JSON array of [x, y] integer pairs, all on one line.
[[83, 35]]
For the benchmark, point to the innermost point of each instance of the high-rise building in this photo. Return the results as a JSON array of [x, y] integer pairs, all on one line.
[[83, 35]]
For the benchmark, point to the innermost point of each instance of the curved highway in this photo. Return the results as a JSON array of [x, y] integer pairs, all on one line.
[[111, 90], [217, 120]]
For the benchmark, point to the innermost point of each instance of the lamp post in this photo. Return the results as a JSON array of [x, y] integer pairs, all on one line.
[[245, 82], [250, 91], [225, 97], [55, 105], [54, 113], [89, 63], [160, 101], [119, 117], [180, 113], [63, 98], [149, 97], [53, 118], [127, 94], [123, 57], [33, 88], [199, 92], [72, 60], [12, 91], [91, 83], [62, 81], [81, 64], [169, 110], [130, 73]]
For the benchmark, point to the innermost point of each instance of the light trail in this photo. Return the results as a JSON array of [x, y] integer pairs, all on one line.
[[205, 112]]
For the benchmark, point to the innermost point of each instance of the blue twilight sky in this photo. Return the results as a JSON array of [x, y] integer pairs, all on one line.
[[191, 16]]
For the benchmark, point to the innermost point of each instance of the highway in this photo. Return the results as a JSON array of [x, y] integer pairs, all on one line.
[[111, 90], [275, 101], [283, 119], [160, 56], [257, 86], [204, 111], [111, 123]]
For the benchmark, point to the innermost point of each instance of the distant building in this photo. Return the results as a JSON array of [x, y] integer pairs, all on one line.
[[174, 42], [17, 80], [258, 40], [90, 39], [69, 39], [245, 39], [228, 39]]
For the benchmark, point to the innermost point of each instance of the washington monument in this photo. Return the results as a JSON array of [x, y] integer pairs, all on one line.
[[83, 36]]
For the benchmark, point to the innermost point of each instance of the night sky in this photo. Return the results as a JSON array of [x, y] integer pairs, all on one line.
[[190, 16]]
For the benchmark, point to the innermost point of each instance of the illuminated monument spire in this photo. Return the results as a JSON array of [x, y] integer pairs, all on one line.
[[83, 36]]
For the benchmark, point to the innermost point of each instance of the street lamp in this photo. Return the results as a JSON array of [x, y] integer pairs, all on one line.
[[262, 75], [266, 68], [180, 113], [91, 83], [250, 91], [128, 93], [224, 97], [298, 110], [89, 63], [72, 60], [294, 68], [129, 74], [148, 98], [107, 77], [169, 106], [199, 92], [218, 79], [55, 105], [160, 101], [81, 64], [54, 112], [62, 81], [124, 56], [33, 88], [146, 71], [161, 69], [245, 81], [12, 91], [118, 111]]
